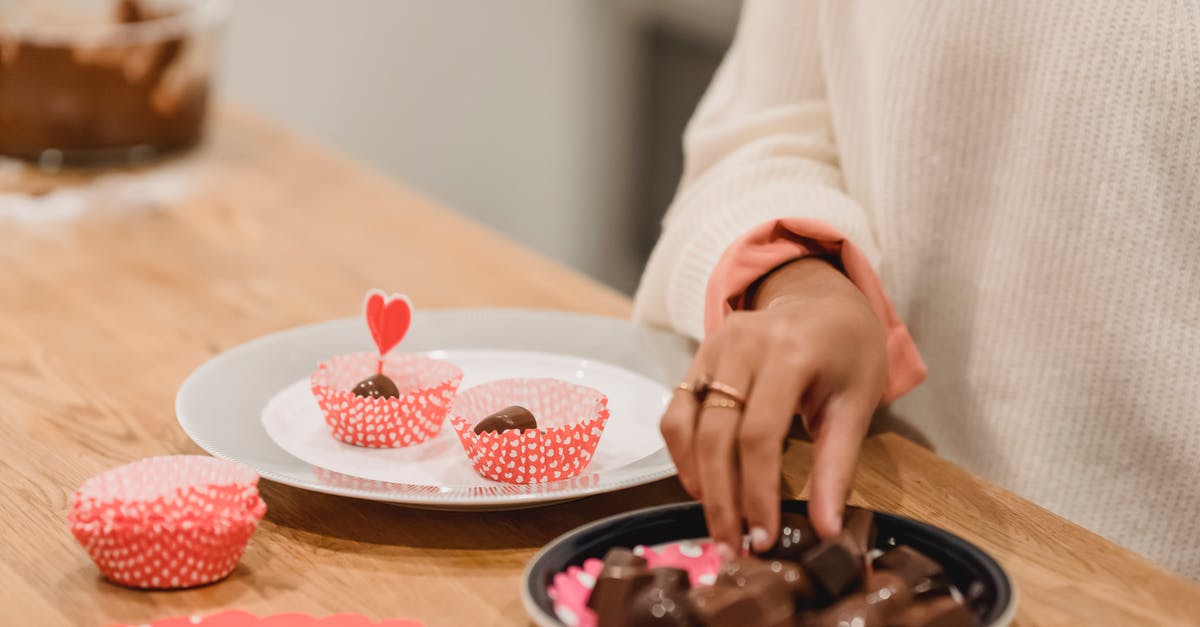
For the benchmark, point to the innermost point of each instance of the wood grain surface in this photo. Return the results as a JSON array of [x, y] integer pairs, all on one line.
[[102, 317]]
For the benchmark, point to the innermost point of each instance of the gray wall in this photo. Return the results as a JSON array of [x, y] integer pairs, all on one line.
[[519, 113]]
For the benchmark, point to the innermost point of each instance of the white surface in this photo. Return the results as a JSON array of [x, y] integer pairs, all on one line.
[[221, 402], [635, 403]]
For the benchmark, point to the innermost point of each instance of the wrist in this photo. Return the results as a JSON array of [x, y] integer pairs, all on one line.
[[799, 280]]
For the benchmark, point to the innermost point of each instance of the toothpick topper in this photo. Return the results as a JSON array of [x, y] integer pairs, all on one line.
[[388, 318]]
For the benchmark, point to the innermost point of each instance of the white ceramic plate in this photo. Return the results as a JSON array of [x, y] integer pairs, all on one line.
[[221, 404]]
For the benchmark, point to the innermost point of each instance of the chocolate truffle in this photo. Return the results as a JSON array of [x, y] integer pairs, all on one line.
[[796, 535], [511, 417], [623, 576], [762, 602], [921, 573], [376, 386], [939, 612], [740, 571], [663, 602]]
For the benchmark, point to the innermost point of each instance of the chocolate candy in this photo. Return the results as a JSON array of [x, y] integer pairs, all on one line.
[[762, 602], [887, 590], [940, 612], [740, 571], [512, 417], [663, 602], [796, 535], [922, 574], [859, 526], [834, 565], [851, 611], [623, 576], [885, 593], [376, 386]]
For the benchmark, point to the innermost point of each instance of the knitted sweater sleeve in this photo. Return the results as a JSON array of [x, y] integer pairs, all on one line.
[[759, 150]]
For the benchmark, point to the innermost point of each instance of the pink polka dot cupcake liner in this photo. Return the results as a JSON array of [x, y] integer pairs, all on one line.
[[570, 420], [167, 522], [570, 589], [426, 388]]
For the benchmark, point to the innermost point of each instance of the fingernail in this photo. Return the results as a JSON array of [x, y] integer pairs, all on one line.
[[725, 552], [759, 539]]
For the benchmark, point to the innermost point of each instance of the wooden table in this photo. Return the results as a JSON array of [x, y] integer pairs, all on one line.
[[102, 319]]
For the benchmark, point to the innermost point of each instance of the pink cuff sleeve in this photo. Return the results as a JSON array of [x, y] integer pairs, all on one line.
[[776, 242]]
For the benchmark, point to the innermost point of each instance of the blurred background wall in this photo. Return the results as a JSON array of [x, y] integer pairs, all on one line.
[[556, 122]]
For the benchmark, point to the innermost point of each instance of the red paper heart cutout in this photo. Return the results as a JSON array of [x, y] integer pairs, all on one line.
[[388, 318]]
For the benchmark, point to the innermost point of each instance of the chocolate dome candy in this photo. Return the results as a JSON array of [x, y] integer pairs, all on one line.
[[511, 417], [663, 602], [376, 386]]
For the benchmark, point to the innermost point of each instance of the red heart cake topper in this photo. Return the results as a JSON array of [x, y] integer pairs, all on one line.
[[388, 318]]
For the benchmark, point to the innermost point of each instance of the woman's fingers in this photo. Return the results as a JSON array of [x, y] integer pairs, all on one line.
[[678, 424], [764, 427], [840, 432], [716, 450]]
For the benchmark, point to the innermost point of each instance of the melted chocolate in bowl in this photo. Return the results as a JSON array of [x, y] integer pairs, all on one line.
[[118, 88]]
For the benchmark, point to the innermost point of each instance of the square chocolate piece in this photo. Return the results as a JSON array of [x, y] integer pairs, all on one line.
[[924, 575], [834, 566], [623, 576]]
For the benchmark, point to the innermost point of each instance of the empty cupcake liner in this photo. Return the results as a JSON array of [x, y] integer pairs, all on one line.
[[426, 387], [570, 419], [167, 522], [570, 589]]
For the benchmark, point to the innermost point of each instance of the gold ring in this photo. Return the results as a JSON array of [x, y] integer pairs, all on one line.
[[721, 403], [727, 390], [698, 389], [689, 387]]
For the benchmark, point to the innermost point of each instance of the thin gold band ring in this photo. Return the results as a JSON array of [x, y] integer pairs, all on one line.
[[727, 390], [721, 403]]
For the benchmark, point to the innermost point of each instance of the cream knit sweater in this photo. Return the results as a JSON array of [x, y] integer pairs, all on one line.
[[1025, 177]]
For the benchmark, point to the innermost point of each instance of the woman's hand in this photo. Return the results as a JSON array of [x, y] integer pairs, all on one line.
[[810, 345]]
